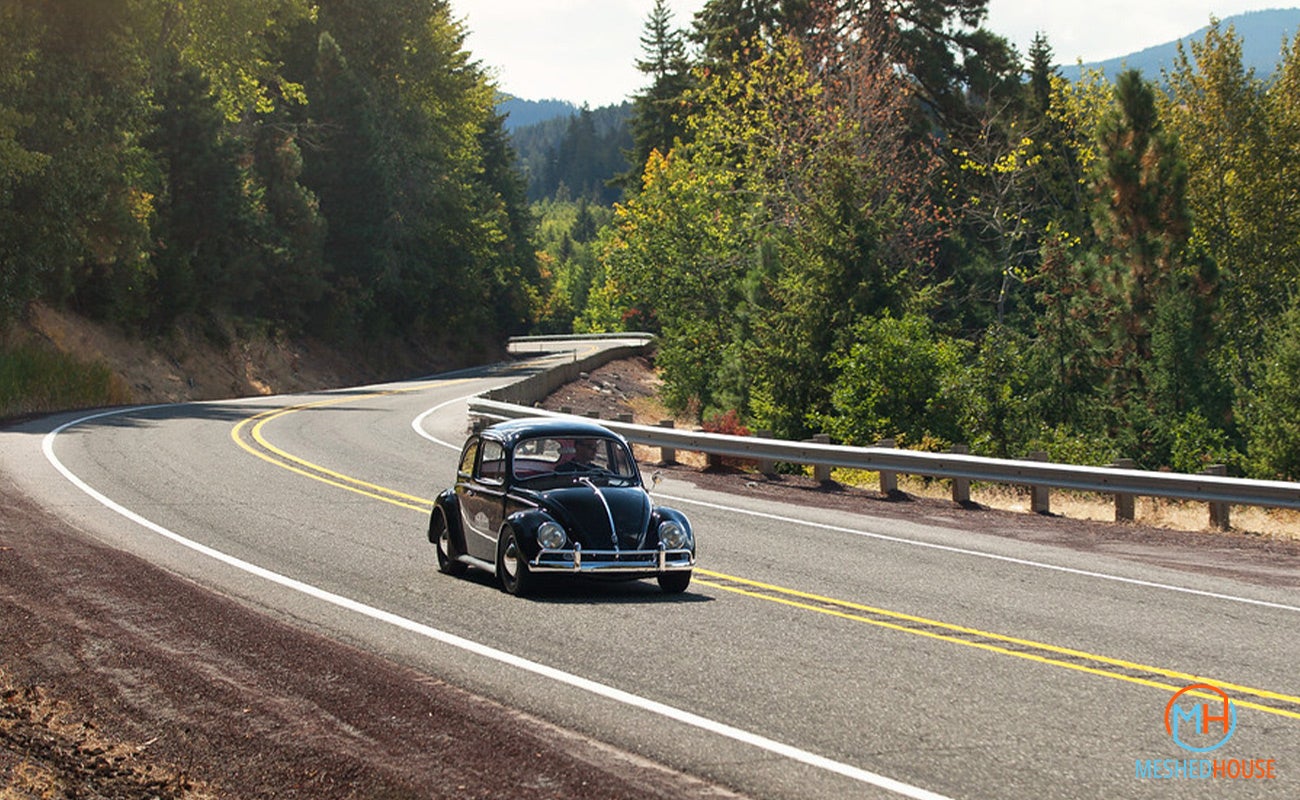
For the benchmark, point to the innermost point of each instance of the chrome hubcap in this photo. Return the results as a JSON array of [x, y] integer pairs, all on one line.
[[510, 560]]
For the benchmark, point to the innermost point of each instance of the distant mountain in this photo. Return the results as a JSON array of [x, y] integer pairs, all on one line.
[[580, 150], [1261, 32], [522, 113]]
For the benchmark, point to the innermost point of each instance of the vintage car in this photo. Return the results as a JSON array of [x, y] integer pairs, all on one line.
[[557, 496]]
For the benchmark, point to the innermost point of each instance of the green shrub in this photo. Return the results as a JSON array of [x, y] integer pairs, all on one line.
[[898, 379], [1273, 412], [1195, 444], [1066, 445]]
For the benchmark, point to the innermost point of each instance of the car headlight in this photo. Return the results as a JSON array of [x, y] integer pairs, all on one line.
[[673, 535], [551, 536]]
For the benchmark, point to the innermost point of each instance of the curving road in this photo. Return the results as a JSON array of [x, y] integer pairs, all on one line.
[[818, 653]]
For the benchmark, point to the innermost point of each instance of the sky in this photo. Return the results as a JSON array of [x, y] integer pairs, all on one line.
[[585, 51]]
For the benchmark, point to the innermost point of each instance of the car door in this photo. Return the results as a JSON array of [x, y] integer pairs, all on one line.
[[481, 497]]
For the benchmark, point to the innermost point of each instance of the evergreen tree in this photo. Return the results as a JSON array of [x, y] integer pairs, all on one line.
[[343, 167], [658, 111], [725, 29], [503, 198], [1143, 222], [92, 205], [23, 160], [1041, 73], [1236, 155], [291, 279], [587, 160], [203, 215]]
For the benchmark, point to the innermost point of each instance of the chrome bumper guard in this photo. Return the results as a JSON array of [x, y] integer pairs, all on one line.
[[613, 561]]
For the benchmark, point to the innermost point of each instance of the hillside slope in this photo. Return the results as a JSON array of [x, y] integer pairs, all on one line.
[[210, 362]]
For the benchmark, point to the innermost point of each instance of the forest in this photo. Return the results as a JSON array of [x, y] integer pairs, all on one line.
[[333, 168], [872, 219]]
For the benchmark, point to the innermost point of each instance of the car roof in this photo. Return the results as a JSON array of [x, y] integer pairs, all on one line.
[[512, 431]]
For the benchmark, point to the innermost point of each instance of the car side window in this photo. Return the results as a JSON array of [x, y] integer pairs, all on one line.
[[623, 463], [492, 466], [467, 458]]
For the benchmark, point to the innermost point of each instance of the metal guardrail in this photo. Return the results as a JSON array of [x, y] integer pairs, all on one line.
[[582, 337], [1106, 480], [562, 342]]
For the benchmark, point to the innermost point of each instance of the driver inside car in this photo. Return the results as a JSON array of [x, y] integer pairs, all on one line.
[[583, 458]]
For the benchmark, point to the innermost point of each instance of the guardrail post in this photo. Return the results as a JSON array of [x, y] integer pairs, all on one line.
[[960, 486], [888, 480], [712, 461], [593, 414], [766, 466], [1040, 500], [1125, 509], [624, 418], [667, 455], [1218, 511], [822, 472]]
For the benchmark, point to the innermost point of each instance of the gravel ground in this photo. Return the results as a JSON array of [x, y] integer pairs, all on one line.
[[121, 680]]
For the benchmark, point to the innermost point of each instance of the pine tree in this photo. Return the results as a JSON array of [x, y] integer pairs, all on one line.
[[1041, 73], [1143, 222], [658, 113]]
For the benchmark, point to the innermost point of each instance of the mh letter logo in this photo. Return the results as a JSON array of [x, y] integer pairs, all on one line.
[[1207, 727]]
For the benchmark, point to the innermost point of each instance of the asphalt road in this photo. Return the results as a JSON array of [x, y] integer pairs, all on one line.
[[817, 654]]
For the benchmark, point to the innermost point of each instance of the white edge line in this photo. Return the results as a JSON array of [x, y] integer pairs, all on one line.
[[576, 681], [418, 423]]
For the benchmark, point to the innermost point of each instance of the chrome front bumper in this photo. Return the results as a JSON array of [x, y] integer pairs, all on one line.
[[613, 561]]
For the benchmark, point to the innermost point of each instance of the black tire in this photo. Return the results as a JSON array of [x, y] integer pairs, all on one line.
[[441, 536], [512, 566], [674, 582]]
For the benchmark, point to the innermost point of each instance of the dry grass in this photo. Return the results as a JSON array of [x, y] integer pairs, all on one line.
[[36, 378], [47, 751]]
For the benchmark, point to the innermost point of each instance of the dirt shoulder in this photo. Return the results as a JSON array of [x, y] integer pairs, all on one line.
[[120, 680]]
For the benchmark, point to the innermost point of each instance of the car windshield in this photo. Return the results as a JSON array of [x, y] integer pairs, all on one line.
[[571, 457]]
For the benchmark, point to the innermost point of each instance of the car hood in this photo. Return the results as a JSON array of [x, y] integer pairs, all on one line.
[[581, 511]]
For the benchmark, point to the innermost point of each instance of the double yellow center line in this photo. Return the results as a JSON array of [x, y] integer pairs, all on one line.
[[249, 435], [1078, 660]]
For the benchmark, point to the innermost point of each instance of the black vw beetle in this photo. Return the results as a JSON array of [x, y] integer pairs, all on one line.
[[538, 496]]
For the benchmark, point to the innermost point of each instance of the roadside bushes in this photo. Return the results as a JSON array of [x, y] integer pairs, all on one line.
[[1273, 429], [35, 379], [901, 378], [898, 378]]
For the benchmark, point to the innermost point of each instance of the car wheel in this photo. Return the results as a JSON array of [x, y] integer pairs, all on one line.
[[441, 535], [674, 582], [512, 566]]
